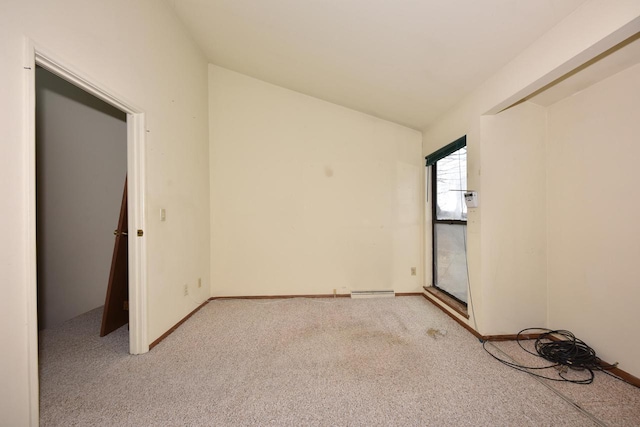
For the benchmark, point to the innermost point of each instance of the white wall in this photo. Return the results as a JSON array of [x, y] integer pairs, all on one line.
[[137, 50], [594, 241], [81, 159], [308, 196], [593, 28], [513, 203], [506, 256]]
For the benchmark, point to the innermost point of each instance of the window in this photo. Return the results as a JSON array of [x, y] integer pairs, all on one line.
[[449, 219]]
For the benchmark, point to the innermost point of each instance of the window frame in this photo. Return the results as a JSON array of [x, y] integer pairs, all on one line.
[[439, 155]]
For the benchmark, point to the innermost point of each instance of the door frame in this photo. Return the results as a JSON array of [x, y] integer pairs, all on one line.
[[136, 135]]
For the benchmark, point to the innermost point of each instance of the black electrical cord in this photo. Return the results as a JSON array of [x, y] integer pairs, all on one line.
[[564, 351]]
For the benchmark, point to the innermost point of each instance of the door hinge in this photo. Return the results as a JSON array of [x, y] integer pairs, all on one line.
[[125, 305]]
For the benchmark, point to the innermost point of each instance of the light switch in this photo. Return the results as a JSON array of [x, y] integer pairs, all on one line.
[[163, 214]]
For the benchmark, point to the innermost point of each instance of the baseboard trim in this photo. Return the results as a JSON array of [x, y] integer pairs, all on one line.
[[398, 294], [631, 379], [177, 325], [432, 299], [282, 296], [454, 304], [622, 374], [510, 337]]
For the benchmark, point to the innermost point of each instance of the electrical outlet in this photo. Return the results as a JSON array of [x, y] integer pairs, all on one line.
[[186, 290], [413, 271], [199, 282]]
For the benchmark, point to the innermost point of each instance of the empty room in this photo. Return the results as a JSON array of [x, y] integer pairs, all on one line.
[[320, 212]]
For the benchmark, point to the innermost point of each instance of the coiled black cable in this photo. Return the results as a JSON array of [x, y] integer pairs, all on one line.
[[564, 351]]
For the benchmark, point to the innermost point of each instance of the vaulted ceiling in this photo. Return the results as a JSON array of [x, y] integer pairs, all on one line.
[[407, 61]]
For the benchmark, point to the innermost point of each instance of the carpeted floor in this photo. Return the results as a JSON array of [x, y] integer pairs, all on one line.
[[320, 362]]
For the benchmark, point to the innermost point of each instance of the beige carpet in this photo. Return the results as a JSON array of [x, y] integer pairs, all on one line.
[[320, 362]]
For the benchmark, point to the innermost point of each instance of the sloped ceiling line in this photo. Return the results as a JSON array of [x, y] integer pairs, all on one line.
[[405, 61]]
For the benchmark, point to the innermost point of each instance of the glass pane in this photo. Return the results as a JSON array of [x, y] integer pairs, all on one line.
[[451, 260], [451, 184]]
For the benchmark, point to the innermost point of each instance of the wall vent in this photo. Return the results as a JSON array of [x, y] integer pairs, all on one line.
[[373, 294]]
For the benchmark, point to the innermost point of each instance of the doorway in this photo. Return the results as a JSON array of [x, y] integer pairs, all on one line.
[[81, 164], [137, 257], [135, 171]]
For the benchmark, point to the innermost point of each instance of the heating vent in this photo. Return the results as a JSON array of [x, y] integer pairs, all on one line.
[[373, 294]]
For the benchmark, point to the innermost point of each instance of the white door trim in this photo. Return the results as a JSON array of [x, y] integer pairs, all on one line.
[[136, 133]]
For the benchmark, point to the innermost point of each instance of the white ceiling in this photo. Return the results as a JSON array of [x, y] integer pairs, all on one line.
[[407, 61]]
